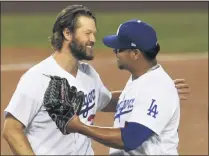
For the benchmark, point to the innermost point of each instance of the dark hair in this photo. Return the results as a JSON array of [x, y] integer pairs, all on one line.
[[152, 53], [68, 18]]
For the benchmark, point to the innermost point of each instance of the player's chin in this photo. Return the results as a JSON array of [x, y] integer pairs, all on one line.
[[89, 58], [89, 55], [120, 66]]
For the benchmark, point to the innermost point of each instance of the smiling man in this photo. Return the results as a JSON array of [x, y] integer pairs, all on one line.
[[28, 128], [148, 111]]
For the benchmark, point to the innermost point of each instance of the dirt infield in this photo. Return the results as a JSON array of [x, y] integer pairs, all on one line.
[[193, 130]]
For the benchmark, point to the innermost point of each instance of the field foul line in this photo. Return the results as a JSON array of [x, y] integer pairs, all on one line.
[[101, 62]]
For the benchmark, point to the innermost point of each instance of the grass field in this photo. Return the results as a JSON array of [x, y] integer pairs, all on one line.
[[177, 31]]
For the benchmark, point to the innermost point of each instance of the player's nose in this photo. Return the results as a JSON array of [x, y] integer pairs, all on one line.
[[92, 38]]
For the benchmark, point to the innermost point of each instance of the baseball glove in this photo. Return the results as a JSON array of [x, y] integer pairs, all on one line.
[[62, 102]]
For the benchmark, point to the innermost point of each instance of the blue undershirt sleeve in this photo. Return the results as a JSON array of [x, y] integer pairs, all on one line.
[[134, 134]]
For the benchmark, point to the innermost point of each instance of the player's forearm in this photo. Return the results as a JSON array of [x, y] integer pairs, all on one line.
[[110, 137], [111, 107], [18, 142]]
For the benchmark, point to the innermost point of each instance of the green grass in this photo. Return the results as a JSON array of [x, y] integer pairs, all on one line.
[[177, 31]]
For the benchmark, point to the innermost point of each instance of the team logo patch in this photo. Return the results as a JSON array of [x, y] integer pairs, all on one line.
[[152, 111]]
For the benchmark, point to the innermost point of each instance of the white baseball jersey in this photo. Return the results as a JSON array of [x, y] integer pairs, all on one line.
[[27, 106], [151, 100]]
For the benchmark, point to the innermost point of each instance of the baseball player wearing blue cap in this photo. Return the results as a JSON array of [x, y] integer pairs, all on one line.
[[148, 111]]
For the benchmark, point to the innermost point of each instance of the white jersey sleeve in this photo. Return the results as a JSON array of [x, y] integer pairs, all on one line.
[[154, 112], [25, 102], [104, 95]]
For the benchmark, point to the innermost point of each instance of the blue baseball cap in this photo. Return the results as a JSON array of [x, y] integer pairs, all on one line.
[[133, 34]]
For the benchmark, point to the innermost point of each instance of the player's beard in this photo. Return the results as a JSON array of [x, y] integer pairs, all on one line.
[[79, 51], [121, 66]]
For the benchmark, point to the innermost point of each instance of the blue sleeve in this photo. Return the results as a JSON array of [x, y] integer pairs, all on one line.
[[134, 134]]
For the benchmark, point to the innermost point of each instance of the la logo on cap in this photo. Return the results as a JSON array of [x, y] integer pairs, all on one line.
[[133, 44]]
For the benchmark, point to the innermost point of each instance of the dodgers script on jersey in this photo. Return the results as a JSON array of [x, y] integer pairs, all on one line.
[[27, 106], [151, 100]]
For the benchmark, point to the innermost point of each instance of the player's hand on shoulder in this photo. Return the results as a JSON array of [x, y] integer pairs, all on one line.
[[183, 88]]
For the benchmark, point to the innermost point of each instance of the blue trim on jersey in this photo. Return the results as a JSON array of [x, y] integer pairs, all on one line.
[[134, 134]]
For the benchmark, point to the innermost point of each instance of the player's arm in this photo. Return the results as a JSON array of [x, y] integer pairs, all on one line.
[[128, 138], [22, 108], [181, 85], [13, 132], [111, 106]]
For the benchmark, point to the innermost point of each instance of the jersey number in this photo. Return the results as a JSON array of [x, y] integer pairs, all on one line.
[[152, 111]]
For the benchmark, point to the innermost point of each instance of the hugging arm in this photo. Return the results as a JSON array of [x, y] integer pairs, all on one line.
[[111, 107], [181, 85], [128, 138]]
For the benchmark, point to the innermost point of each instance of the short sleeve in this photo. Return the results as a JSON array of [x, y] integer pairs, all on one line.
[[153, 113], [24, 105], [104, 96]]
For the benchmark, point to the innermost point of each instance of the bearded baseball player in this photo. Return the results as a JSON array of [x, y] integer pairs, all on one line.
[[62, 87], [60, 78], [148, 111]]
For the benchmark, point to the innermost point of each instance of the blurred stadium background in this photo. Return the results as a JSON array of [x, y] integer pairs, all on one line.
[[28, 24], [182, 29]]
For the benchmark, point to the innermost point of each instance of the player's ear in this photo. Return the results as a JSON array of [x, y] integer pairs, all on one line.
[[136, 54], [67, 34]]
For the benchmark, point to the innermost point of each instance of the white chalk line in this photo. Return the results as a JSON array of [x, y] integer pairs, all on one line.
[[103, 62]]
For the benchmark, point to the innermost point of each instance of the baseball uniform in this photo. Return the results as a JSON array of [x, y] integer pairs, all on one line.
[[151, 100], [26, 105]]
